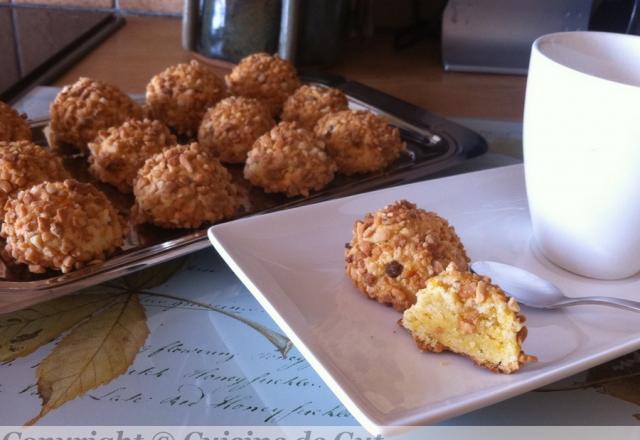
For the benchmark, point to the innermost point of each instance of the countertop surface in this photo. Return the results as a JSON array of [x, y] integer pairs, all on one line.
[[147, 45]]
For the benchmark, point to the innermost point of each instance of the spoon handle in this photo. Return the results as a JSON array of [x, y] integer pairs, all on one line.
[[604, 301]]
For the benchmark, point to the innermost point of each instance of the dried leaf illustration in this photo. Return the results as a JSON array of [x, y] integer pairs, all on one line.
[[625, 389], [619, 378], [102, 289], [26, 330], [141, 282], [280, 341], [94, 353], [152, 277]]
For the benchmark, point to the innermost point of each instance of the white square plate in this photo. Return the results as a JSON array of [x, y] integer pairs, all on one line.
[[293, 262]]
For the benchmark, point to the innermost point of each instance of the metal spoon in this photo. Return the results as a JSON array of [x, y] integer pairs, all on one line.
[[533, 291]]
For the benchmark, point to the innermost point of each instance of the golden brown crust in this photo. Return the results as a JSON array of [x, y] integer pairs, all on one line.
[[231, 127], [309, 103], [184, 186], [474, 293], [436, 347], [265, 77], [84, 108], [61, 226], [289, 159], [359, 141], [395, 250], [23, 164], [181, 94], [13, 125], [118, 152]]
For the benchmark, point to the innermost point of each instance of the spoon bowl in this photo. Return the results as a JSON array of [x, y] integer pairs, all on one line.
[[533, 291]]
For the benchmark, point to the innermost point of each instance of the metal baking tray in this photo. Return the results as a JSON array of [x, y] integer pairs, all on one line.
[[433, 144]]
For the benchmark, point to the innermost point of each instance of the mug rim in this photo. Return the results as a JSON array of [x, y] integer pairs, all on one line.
[[536, 49]]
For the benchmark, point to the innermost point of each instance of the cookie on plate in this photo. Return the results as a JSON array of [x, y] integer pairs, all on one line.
[[290, 160], [359, 141], [23, 164], [395, 251], [231, 127], [61, 225], [466, 314], [84, 108], [13, 125], [184, 186], [118, 152], [181, 94], [309, 103], [266, 77]]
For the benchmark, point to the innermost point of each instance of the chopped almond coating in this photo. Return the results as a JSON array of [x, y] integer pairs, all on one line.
[[395, 251], [13, 125], [231, 127], [289, 159], [24, 164], [464, 313], [359, 141], [184, 186], [84, 108], [310, 103], [61, 226], [181, 94], [265, 77], [119, 152]]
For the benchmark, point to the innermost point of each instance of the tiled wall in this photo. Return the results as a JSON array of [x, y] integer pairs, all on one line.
[[151, 7]]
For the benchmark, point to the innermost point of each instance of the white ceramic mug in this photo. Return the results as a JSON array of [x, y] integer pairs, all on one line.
[[582, 151]]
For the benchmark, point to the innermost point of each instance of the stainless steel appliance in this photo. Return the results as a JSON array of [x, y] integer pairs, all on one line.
[[496, 35]]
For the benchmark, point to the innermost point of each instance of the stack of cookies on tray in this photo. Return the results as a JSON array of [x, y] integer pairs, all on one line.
[[173, 155]]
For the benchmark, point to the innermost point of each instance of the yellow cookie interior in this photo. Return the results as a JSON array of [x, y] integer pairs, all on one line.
[[466, 314]]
